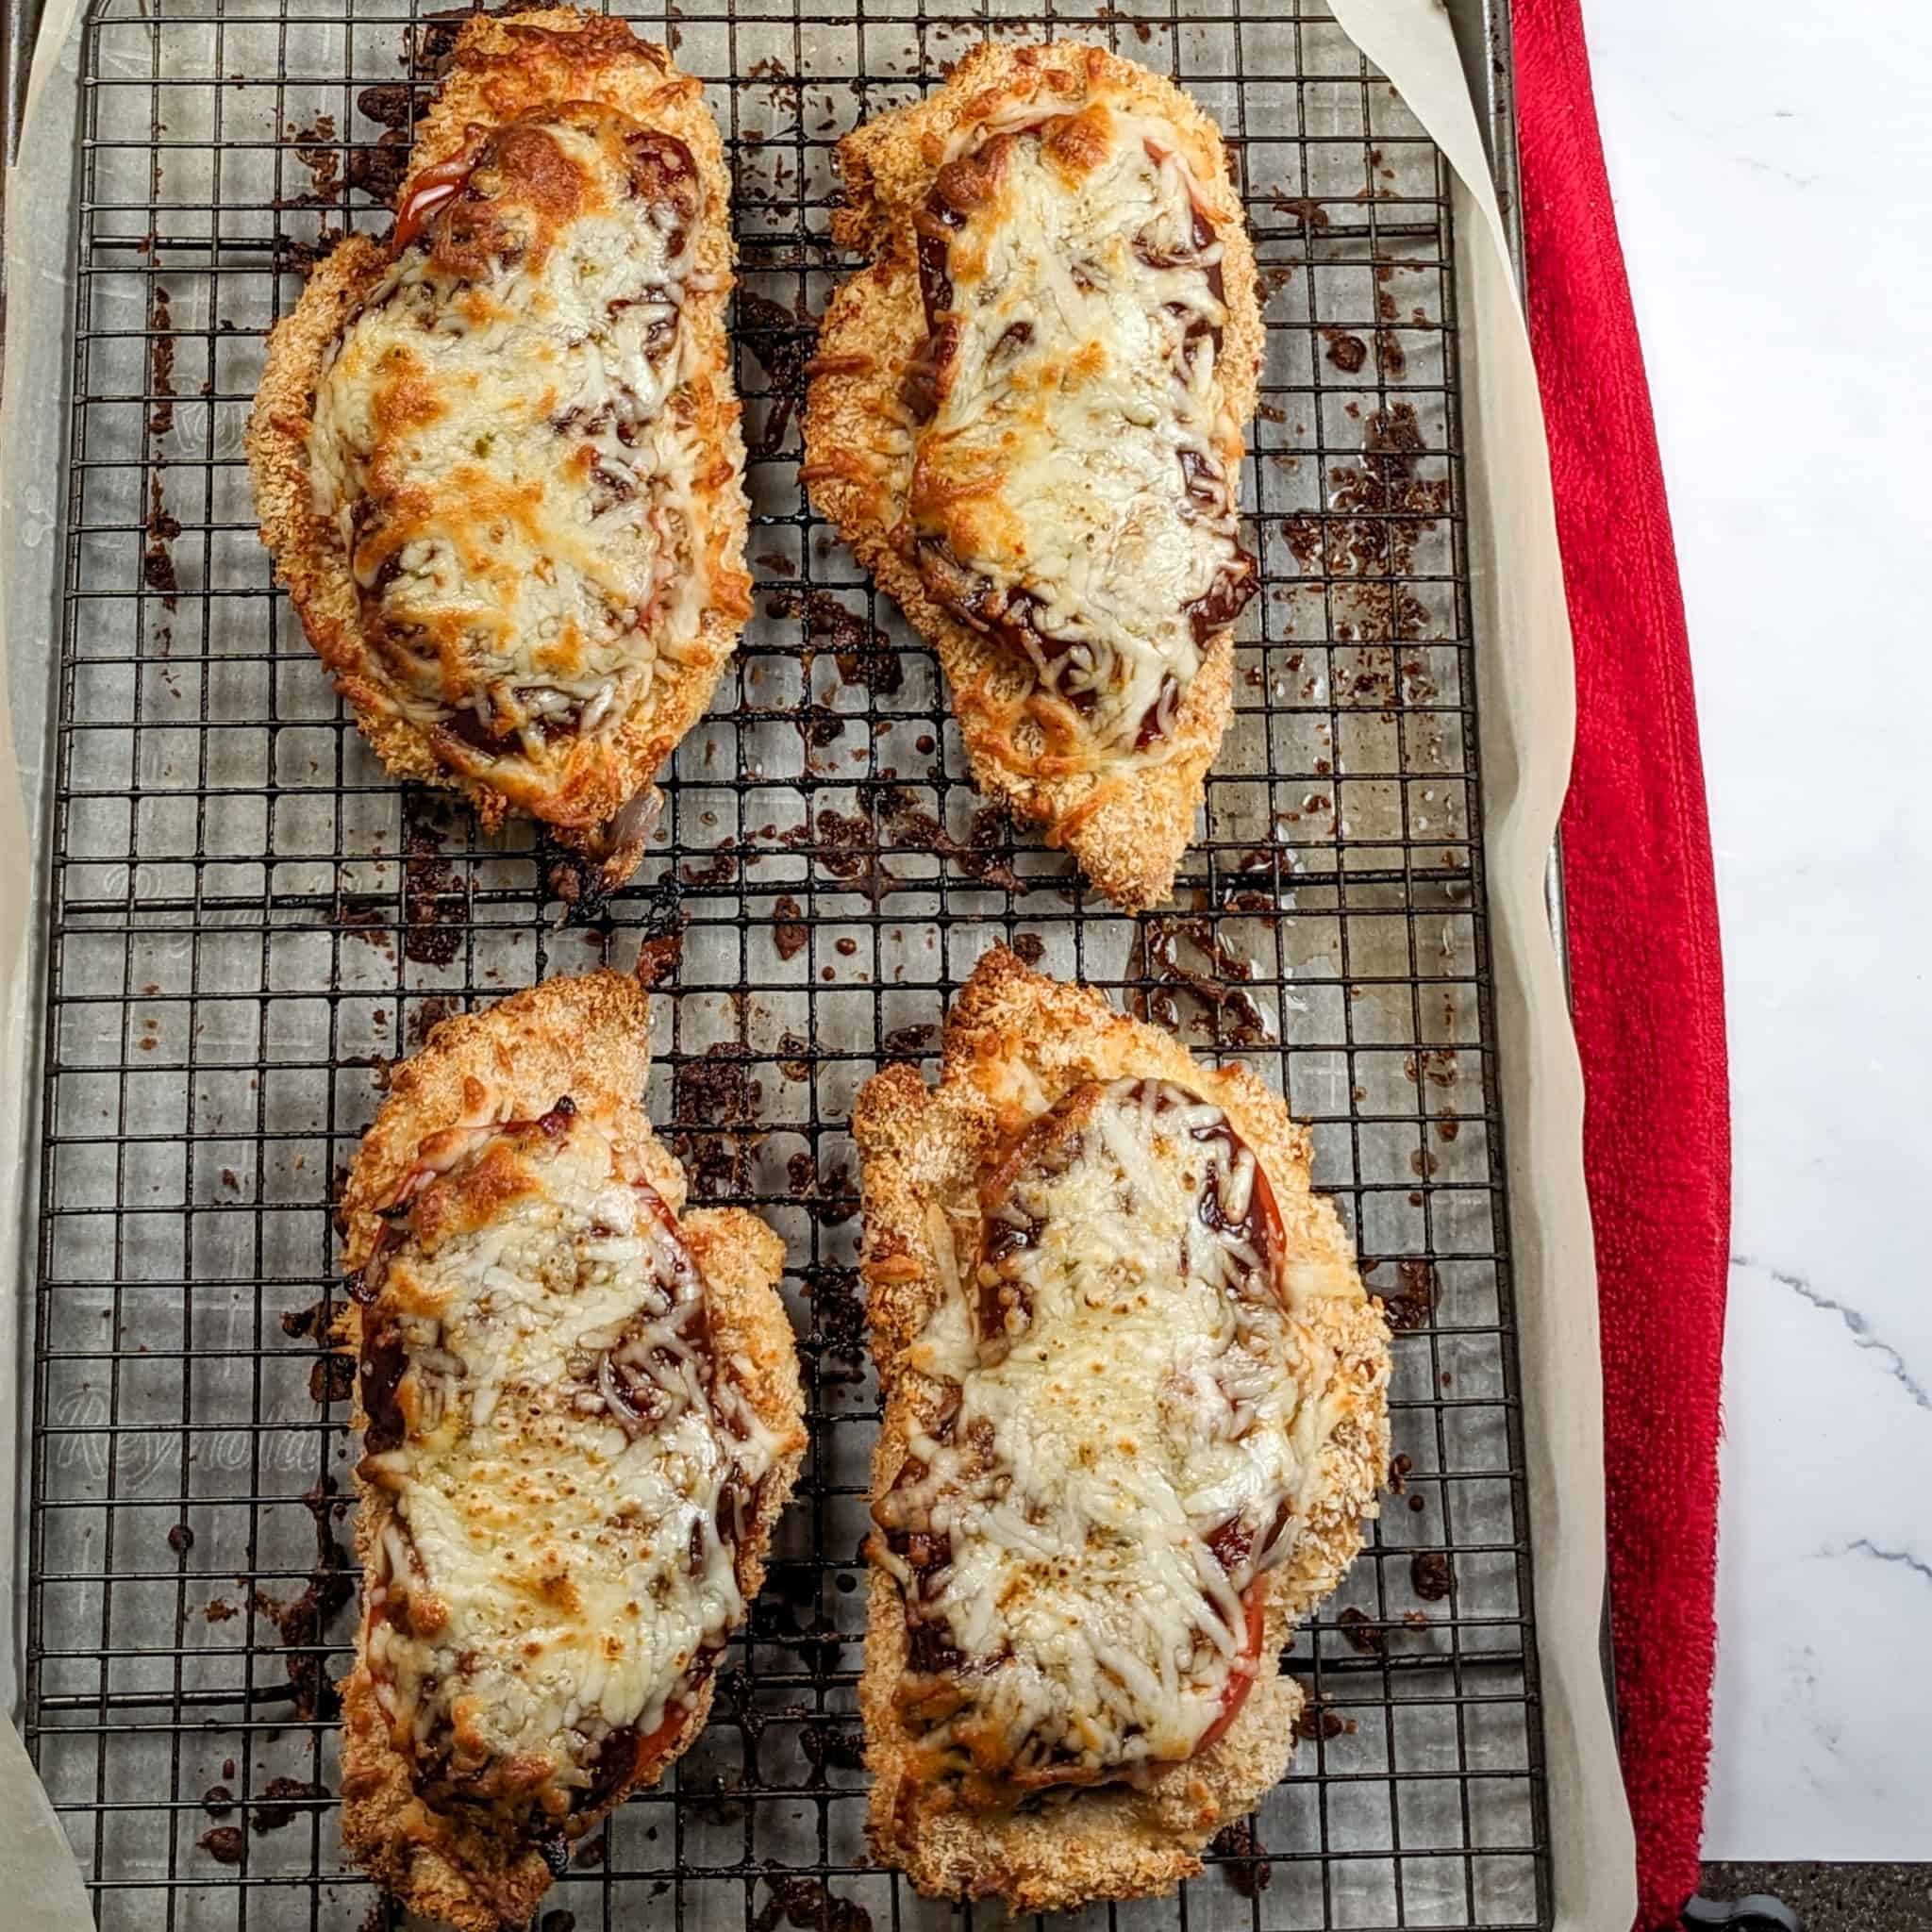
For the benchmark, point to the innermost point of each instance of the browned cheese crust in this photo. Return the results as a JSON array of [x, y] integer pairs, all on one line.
[[588, 1038], [1127, 827], [1016, 1041], [502, 68]]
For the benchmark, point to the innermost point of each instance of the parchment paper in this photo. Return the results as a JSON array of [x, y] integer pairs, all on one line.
[[38, 1875], [39, 213], [1526, 710]]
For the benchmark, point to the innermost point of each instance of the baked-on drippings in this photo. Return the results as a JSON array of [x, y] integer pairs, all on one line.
[[1122, 1448], [499, 441], [563, 1469], [1069, 494]]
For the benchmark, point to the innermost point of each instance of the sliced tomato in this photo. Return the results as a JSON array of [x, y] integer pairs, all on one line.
[[439, 182], [651, 1749], [1240, 1677]]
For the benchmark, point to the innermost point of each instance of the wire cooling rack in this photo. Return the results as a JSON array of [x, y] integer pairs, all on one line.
[[249, 922]]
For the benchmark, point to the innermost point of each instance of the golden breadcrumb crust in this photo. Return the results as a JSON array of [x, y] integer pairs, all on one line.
[[588, 1038], [1015, 1042], [501, 68], [1127, 827]]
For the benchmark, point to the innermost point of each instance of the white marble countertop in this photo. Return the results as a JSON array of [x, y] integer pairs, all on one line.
[[1773, 174]]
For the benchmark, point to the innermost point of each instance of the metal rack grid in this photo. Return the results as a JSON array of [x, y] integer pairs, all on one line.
[[249, 921]]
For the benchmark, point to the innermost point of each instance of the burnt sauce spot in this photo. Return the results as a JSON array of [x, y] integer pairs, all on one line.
[[293, 253], [719, 869], [435, 904], [379, 171], [315, 148], [1431, 1576], [310, 1324], [1194, 977], [802, 1176], [435, 41], [783, 341], [715, 1101], [1435, 1065], [1316, 1721], [818, 725], [981, 855], [831, 1744], [577, 879], [427, 1017], [809, 1905], [1246, 1865], [865, 655], [303, 1623], [1303, 209], [839, 1319], [1347, 352], [1413, 1304], [659, 957], [846, 845], [278, 1804], [1380, 509], [1363, 1635], [158, 559], [392, 104], [161, 363], [616, 1763], [331, 1379], [837, 1200], [367, 917], [790, 934]]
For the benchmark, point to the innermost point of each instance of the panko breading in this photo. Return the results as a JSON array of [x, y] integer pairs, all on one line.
[[580, 1417], [1094, 1460], [497, 460], [1025, 417]]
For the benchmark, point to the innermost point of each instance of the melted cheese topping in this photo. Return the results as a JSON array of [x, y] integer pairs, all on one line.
[[1126, 1445], [1070, 491], [566, 1471], [499, 443]]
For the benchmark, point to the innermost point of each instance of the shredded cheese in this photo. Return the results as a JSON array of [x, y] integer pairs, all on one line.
[[497, 440], [1070, 491], [1124, 1443], [562, 1472]]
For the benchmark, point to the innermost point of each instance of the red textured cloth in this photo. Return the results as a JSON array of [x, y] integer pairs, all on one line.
[[1648, 988]]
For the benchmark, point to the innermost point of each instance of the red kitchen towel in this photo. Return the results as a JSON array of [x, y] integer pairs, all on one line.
[[1648, 988]]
